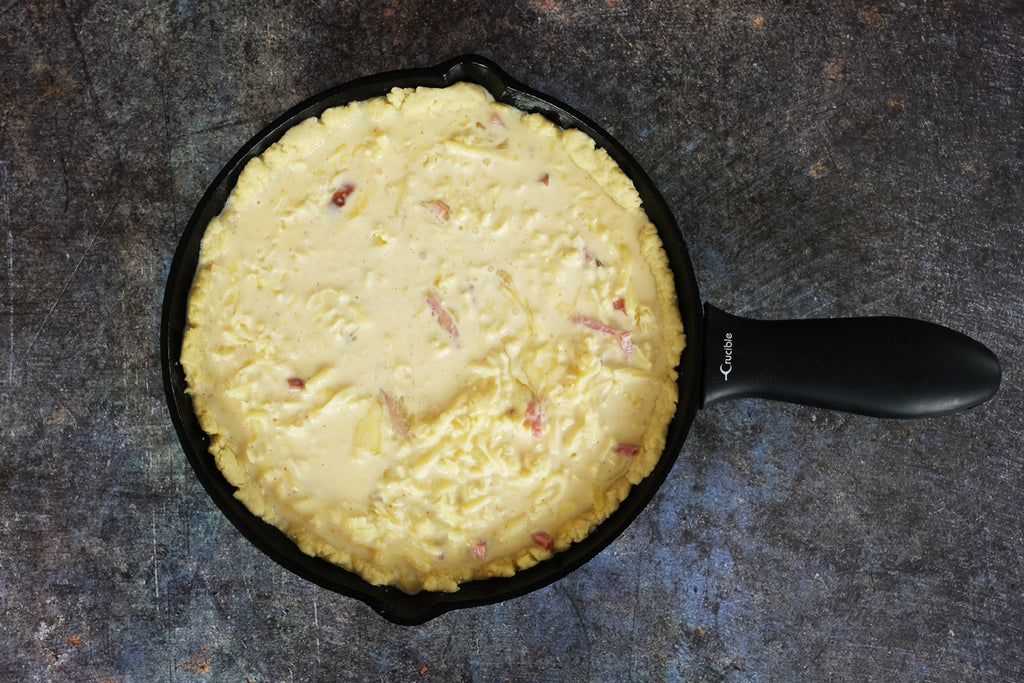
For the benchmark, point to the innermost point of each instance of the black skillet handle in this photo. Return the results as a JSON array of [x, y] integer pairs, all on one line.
[[883, 367]]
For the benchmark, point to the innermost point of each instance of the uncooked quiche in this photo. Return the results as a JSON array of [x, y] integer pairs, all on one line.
[[433, 338]]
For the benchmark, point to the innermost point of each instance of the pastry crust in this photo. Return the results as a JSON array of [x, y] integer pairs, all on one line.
[[433, 338]]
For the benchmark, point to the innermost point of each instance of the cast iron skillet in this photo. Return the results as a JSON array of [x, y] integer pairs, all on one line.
[[887, 367]]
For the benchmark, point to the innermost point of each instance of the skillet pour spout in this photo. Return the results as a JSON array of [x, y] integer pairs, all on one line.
[[882, 367]]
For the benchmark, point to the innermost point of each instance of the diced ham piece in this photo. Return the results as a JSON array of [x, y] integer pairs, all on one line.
[[296, 384], [479, 550], [496, 120], [444, 319], [396, 413], [543, 539], [341, 195], [544, 179], [619, 305], [626, 450], [533, 418]]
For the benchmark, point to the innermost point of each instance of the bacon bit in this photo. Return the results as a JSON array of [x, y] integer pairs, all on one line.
[[440, 209], [625, 339], [396, 413], [496, 120], [74, 640], [444, 319], [626, 450], [533, 418], [590, 258], [423, 671], [340, 195], [592, 324], [620, 305], [626, 344], [544, 179], [296, 384], [543, 539], [479, 550]]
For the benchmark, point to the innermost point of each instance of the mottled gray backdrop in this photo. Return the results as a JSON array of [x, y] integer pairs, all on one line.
[[823, 158]]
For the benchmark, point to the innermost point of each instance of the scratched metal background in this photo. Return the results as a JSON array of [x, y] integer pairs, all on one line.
[[823, 158]]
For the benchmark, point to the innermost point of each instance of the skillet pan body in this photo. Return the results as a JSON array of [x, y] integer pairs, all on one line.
[[392, 603]]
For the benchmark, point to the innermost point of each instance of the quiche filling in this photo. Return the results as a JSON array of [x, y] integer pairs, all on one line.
[[433, 338]]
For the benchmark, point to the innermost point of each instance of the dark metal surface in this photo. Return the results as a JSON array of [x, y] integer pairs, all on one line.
[[822, 160]]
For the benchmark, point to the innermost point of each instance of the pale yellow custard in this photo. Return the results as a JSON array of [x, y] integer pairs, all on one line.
[[433, 338]]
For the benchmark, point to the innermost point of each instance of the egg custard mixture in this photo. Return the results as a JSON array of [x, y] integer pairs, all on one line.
[[433, 338]]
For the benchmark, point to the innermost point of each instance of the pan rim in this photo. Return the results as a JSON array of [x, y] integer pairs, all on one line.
[[391, 603]]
